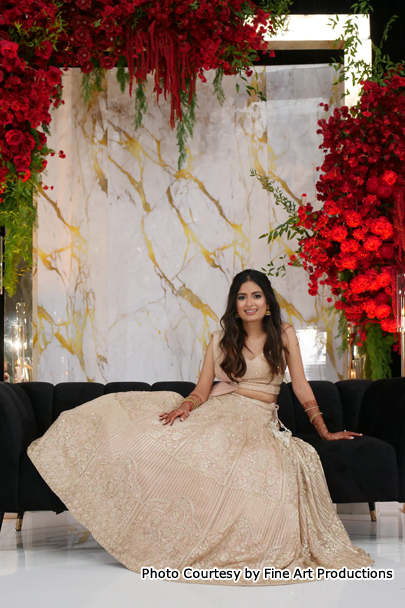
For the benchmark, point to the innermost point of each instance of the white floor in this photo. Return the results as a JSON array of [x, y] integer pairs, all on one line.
[[55, 563]]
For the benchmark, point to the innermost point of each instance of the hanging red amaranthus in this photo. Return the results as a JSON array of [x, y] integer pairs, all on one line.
[[175, 41]]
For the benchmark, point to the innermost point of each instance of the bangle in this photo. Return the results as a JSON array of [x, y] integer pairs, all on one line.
[[190, 405], [192, 402], [311, 408], [314, 416]]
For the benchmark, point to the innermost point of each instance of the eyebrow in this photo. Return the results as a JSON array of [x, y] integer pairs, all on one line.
[[253, 293]]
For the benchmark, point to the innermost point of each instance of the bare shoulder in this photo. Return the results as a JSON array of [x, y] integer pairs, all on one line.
[[287, 332]]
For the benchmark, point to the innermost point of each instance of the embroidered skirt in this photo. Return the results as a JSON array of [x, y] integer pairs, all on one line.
[[226, 488]]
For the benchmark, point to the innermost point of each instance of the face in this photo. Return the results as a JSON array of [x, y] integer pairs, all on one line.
[[251, 303]]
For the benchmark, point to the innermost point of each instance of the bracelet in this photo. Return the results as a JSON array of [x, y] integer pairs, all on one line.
[[190, 405], [314, 407], [192, 402], [314, 416]]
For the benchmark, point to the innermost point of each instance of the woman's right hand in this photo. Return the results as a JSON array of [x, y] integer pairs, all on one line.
[[341, 435], [182, 412]]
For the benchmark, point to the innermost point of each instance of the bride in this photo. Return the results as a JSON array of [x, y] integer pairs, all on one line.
[[213, 480]]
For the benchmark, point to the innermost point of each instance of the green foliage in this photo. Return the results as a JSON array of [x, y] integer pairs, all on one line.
[[141, 105], [218, 90], [122, 73], [17, 215], [378, 348], [290, 227], [92, 83], [358, 69], [342, 333], [279, 11], [185, 127]]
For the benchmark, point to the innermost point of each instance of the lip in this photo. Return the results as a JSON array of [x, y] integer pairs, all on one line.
[[250, 312]]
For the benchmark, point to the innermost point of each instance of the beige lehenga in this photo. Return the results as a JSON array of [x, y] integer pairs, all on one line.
[[227, 488]]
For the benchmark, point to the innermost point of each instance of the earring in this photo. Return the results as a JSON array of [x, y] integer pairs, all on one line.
[[237, 315], [268, 313]]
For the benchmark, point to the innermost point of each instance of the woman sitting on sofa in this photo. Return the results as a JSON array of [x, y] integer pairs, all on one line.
[[213, 480]]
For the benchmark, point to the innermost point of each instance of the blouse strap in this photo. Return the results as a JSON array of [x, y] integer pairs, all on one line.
[[216, 337]]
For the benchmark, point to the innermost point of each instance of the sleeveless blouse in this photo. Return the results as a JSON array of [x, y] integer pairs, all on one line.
[[258, 376]]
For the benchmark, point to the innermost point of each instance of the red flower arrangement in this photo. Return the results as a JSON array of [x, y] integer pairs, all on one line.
[[175, 40], [29, 86], [356, 243]]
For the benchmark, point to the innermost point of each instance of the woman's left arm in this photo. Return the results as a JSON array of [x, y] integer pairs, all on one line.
[[303, 390]]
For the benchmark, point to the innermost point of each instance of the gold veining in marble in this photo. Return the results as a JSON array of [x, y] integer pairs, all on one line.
[[123, 181]]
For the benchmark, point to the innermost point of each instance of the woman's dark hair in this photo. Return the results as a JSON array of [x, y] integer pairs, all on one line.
[[233, 340]]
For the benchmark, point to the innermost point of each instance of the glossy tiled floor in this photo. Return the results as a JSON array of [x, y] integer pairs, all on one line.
[[55, 563]]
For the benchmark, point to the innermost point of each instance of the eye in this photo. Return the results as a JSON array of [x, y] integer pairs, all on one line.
[[241, 297], [257, 295]]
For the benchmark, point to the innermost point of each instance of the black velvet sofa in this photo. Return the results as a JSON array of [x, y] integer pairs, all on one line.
[[367, 469]]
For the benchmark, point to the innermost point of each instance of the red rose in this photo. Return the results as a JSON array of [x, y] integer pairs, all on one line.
[[84, 4], [14, 137], [108, 24], [383, 311], [353, 218], [42, 138], [44, 50], [22, 162], [384, 191], [8, 49], [349, 246], [86, 68], [84, 55], [372, 243], [108, 62], [338, 233], [53, 76], [372, 184], [390, 177], [29, 142], [389, 325], [26, 176], [1, 76], [359, 233], [12, 63], [387, 251], [382, 227], [82, 35]]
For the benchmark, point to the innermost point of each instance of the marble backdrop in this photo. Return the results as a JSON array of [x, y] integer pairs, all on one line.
[[135, 258]]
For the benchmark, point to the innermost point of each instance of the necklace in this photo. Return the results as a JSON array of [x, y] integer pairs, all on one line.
[[251, 341]]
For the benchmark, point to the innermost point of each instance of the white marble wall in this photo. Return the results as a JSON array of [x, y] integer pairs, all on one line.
[[294, 94], [135, 257]]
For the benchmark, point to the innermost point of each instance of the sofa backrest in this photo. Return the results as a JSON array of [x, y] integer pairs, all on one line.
[[351, 396], [49, 401], [328, 398], [40, 395]]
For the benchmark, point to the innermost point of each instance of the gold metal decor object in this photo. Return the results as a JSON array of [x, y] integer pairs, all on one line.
[[373, 513], [19, 521]]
